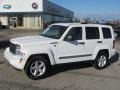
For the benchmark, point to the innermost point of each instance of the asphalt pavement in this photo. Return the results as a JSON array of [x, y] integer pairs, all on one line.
[[76, 76]]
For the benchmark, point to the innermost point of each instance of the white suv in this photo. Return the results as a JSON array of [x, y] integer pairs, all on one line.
[[62, 43]]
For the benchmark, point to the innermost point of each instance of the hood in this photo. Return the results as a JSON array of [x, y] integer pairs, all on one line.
[[32, 40]]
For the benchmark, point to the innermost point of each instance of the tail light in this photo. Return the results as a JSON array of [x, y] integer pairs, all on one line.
[[113, 44]]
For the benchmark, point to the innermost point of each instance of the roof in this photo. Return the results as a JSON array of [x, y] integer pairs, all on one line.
[[69, 24]]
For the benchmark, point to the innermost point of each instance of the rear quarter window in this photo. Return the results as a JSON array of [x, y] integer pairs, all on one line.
[[106, 33]]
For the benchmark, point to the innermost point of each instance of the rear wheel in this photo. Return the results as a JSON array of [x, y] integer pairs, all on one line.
[[101, 61], [37, 67]]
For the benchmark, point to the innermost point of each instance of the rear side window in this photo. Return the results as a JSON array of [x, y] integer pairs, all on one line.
[[92, 33], [106, 33]]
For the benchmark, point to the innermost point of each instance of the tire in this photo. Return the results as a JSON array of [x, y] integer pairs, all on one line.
[[101, 61], [37, 68]]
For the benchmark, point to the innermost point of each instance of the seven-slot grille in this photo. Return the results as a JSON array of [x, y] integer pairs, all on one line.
[[12, 48]]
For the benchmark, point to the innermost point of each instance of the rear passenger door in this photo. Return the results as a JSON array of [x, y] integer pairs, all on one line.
[[92, 40]]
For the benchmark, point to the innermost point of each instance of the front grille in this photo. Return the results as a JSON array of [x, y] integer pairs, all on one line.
[[12, 48]]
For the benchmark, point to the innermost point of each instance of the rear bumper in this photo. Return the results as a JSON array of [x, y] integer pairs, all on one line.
[[113, 52]]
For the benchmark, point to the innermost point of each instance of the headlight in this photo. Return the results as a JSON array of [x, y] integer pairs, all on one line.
[[18, 50]]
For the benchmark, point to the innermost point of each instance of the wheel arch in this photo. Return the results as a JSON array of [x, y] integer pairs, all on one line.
[[99, 63], [98, 50], [105, 51], [45, 55]]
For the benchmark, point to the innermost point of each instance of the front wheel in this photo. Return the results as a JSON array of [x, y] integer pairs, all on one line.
[[37, 68], [101, 61]]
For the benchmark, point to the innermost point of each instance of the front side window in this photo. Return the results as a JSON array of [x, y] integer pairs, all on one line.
[[54, 31], [92, 33], [106, 33], [74, 34]]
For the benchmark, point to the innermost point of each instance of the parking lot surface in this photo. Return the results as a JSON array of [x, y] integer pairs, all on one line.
[[77, 76]]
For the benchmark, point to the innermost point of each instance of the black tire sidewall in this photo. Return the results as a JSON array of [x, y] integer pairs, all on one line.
[[96, 61], [36, 58]]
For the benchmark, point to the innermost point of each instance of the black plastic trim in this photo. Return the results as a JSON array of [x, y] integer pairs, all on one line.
[[76, 56]]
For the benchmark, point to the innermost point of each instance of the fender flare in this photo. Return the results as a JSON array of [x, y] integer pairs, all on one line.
[[98, 49], [46, 51]]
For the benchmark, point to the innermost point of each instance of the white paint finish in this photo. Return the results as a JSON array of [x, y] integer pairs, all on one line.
[[90, 44], [109, 41], [101, 47], [59, 48], [20, 6], [32, 40], [14, 60], [72, 48]]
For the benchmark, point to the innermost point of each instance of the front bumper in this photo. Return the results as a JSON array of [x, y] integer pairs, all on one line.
[[15, 60]]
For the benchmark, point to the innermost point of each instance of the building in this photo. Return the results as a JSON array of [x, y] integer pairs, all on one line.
[[32, 13]]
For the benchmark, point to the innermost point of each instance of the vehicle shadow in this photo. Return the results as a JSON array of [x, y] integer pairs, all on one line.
[[115, 58], [74, 66], [71, 66], [4, 44]]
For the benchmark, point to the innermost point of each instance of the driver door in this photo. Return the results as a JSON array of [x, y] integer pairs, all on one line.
[[71, 49]]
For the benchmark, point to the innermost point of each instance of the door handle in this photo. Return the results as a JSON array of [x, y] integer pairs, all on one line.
[[81, 42], [99, 41]]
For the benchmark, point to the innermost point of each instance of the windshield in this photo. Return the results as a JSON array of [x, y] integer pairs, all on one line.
[[54, 31]]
